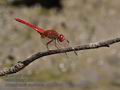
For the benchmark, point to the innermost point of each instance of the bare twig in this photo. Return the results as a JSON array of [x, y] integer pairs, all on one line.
[[22, 64]]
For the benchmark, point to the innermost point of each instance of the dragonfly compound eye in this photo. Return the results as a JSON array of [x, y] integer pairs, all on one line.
[[61, 38]]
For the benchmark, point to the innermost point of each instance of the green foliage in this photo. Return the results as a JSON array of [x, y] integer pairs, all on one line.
[[43, 11], [3, 2]]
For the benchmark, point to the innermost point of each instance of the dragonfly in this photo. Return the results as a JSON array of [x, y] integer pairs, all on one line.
[[53, 35]]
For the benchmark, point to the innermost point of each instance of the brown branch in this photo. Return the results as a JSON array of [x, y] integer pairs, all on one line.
[[22, 64]]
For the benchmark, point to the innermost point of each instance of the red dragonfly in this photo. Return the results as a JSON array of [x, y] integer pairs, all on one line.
[[51, 34]]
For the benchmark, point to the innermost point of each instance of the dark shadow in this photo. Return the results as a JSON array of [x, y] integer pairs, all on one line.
[[48, 4]]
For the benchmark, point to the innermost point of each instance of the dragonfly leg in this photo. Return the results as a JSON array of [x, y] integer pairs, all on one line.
[[56, 44], [58, 48], [49, 43], [68, 43], [75, 53], [74, 50]]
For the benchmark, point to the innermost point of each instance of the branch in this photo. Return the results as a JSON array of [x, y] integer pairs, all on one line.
[[22, 64]]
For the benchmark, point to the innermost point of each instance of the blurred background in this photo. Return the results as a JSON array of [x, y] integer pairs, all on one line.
[[82, 22]]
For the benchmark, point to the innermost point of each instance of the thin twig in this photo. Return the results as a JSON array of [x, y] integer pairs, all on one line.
[[22, 64]]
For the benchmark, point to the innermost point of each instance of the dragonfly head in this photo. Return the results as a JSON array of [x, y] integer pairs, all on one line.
[[61, 38]]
